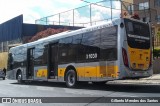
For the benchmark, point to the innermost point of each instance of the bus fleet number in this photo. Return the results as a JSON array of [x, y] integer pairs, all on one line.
[[91, 56]]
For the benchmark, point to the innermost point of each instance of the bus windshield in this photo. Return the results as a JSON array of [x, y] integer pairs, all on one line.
[[138, 34]]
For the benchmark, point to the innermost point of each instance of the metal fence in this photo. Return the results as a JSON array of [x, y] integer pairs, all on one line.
[[157, 41], [93, 14], [87, 15], [99, 12]]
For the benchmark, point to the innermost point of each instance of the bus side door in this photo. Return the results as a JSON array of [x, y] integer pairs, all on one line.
[[52, 60], [30, 63]]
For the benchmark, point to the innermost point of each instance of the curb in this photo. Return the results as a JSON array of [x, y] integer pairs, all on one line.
[[154, 79]]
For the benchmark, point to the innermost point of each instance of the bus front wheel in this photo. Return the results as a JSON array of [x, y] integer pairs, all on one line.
[[71, 78]]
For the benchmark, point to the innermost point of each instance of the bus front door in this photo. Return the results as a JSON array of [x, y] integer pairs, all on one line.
[[30, 63], [53, 60]]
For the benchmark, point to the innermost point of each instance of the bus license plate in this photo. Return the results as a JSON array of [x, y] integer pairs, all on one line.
[[141, 66]]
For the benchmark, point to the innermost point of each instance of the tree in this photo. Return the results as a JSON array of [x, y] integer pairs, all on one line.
[[45, 33]]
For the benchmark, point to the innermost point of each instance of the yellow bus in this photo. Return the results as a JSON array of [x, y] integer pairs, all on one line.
[[116, 49]]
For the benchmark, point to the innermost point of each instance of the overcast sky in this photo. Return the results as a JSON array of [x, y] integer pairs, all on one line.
[[35, 9]]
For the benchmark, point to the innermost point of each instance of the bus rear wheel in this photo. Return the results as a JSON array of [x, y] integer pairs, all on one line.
[[19, 77], [71, 78]]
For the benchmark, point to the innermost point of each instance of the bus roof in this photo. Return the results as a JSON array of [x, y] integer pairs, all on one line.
[[70, 33]]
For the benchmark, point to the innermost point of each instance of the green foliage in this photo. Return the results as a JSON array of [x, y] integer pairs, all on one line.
[[158, 33], [156, 53]]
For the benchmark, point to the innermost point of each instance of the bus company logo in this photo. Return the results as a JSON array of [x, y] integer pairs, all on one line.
[[6, 100]]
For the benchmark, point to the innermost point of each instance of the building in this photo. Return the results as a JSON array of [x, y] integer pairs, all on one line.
[[14, 32], [149, 11]]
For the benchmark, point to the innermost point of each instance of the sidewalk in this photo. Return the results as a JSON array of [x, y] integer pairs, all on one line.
[[154, 79]]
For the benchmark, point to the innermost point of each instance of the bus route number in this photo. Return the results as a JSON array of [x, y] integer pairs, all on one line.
[[91, 56]]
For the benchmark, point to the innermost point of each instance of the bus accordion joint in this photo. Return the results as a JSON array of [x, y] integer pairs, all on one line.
[[125, 58]]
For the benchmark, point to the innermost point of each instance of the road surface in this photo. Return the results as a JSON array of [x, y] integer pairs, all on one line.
[[10, 88]]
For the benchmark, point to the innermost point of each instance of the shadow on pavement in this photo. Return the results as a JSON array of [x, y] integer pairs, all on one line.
[[135, 88]]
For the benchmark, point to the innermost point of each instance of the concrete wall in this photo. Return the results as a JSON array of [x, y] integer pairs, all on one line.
[[3, 60], [156, 66], [129, 1]]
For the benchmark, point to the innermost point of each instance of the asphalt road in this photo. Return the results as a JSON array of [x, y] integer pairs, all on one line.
[[10, 88]]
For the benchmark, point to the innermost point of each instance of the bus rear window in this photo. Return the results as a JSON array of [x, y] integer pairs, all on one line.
[[136, 28], [138, 35]]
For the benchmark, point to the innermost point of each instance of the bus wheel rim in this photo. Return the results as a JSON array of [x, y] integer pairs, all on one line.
[[19, 78], [71, 79]]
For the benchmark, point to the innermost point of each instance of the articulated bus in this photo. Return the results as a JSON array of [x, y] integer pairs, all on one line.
[[117, 49]]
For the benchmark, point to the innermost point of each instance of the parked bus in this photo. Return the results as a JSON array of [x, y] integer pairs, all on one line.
[[117, 49]]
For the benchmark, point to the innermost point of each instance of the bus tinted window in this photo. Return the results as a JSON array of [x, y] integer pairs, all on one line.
[[78, 48], [67, 40], [77, 39], [138, 35], [40, 55], [66, 50], [130, 27], [109, 43], [91, 44], [138, 29], [91, 38], [18, 57]]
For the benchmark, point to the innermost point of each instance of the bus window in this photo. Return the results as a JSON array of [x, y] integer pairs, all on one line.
[[77, 39], [91, 45], [78, 47], [40, 57], [130, 27], [66, 53], [109, 43], [138, 35]]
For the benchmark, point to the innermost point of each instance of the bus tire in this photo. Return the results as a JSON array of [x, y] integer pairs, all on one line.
[[19, 77], [71, 78], [3, 78]]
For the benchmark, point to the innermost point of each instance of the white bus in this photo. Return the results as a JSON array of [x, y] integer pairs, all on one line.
[[117, 49]]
